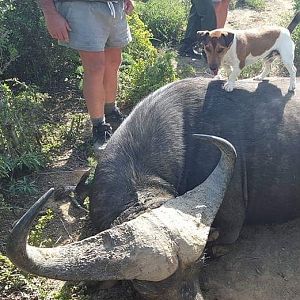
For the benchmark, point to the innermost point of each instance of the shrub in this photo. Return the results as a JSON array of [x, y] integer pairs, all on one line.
[[296, 36], [285, 21], [253, 4], [20, 147], [19, 115], [8, 53], [297, 5], [256, 4], [40, 60], [252, 70], [142, 78], [296, 39], [22, 187], [141, 46], [144, 69], [166, 19], [36, 237], [13, 282]]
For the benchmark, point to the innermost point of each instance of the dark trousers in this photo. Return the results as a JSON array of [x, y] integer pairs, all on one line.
[[202, 17]]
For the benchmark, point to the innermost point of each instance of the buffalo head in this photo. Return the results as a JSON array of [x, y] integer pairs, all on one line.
[[157, 250]]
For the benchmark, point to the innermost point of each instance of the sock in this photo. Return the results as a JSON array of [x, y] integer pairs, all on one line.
[[97, 121], [109, 108]]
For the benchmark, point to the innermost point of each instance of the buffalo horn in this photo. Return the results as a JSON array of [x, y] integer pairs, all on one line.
[[150, 247]]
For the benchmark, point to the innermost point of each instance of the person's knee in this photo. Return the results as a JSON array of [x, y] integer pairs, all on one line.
[[114, 62], [113, 58], [93, 63], [94, 67]]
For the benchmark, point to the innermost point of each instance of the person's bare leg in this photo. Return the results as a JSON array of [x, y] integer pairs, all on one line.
[[93, 88], [221, 9], [113, 57], [94, 93], [112, 65]]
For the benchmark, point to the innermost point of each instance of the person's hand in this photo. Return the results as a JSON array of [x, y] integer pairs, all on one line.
[[128, 6], [57, 26]]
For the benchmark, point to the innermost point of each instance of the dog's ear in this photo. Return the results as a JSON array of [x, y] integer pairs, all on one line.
[[228, 38], [202, 36]]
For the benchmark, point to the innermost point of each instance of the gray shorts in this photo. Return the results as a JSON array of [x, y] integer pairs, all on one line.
[[95, 25]]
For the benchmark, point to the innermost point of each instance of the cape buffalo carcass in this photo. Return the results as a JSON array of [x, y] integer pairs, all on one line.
[[155, 160]]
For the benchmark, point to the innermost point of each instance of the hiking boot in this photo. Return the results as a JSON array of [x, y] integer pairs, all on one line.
[[115, 117], [101, 134], [187, 48], [190, 53]]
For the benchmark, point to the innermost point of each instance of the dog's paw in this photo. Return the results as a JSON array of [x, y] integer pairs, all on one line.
[[258, 78], [292, 86], [219, 77], [228, 86], [292, 89]]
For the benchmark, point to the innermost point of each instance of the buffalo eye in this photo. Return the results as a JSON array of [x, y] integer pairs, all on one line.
[[220, 50]]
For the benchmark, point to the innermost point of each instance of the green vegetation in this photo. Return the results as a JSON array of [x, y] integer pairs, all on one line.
[[297, 5], [256, 4], [20, 148], [166, 23], [40, 60], [252, 70], [13, 281], [17, 283], [296, 37], [71, 292], [36, 237]]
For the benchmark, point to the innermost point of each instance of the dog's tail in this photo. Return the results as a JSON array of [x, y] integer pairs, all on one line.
[[294, 23]]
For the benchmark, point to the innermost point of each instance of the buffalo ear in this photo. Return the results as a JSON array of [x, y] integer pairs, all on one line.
[[228, 38], [202, 36]]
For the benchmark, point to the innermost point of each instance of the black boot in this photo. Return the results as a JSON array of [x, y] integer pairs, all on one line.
[[115, 117], [101, 134], [187, 50]]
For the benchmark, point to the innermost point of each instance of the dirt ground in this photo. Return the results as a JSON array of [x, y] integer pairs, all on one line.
[[263, 265]]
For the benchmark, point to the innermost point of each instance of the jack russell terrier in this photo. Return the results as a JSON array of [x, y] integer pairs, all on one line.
[[235, 49]]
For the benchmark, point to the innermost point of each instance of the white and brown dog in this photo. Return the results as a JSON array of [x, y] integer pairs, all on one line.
[[235, 49]]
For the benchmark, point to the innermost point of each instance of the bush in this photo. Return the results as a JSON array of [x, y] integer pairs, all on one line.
[[296, 39], [15, 283], [252, 70], [256, 4], [37, 237], [166, 19], [20, 147], [296, 34], [142, 78], [40, 60], [297, 5], [252, 4], [144, 69], [12, 281], [8, 53]]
